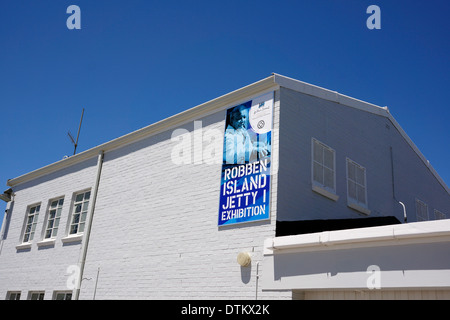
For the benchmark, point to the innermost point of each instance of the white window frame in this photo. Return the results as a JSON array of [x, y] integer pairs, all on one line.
[[63, 294], [13, 295], [36, 295], [78, 216], [48, 241], [319, 186], [439, 215], [28, 235], [353, 202], [419, 206], [52, 220]]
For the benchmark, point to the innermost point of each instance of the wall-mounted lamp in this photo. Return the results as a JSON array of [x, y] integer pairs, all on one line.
[[6, 196], [244, 259]]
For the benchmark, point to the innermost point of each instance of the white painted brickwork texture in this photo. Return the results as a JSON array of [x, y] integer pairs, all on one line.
[[154, 232], [42, 268]]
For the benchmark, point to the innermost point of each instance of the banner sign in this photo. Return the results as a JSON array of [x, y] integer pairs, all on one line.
[[245, 181]]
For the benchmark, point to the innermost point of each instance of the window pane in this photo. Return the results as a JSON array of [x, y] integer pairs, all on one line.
[[79, 197], [318, 152], [360, 176], [87, 195], [328, 158], [351, 189], [37, 296], [361, 193], [73, 229], [317, 172], [328, 178], [351, 171]]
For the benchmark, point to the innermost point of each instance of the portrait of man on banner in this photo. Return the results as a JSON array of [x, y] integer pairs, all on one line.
[[241, 144]]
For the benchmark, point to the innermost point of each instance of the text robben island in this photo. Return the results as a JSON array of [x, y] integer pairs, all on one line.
[[243, 186]]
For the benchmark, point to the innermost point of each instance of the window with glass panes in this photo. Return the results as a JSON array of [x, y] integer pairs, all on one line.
[[438, 215], [54, 214], [13, 295], [36, 296], [421, 210], [79, 213], [62, 295], [30, 223], [323, 164], [356, 183]]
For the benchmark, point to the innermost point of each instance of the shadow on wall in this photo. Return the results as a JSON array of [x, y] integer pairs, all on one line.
[[289, 228]]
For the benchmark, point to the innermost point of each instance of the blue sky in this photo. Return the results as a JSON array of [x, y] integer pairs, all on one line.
[[136, 62]]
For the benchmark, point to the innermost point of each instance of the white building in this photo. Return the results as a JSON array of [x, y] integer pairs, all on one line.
[[331, 199]]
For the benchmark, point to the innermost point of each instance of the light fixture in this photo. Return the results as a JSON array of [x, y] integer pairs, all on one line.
[[6, 196], [244, 259]]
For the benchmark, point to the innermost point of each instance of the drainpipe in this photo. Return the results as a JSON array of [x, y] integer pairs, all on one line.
[[404, 211], [393, 186], [87, 230], [3, 228], [257, 280]]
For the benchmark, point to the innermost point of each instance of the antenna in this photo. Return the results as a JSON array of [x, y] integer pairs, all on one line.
[[75, 142]]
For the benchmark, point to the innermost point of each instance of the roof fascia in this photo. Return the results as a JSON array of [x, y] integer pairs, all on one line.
[[191, 114], [329, 95], [334, 96]]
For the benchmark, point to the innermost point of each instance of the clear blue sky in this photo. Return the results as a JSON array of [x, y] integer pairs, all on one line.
[[136, 62]]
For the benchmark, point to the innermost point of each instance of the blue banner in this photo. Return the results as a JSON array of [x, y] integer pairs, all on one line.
[[245, 179]]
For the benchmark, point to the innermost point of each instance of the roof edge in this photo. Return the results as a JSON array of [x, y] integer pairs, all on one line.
[[431, 231], [193, 113], [337, 97], [327, 94]]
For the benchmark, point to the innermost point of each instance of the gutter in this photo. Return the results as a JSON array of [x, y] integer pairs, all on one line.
[[221, 103], [427, 231], [87, 231]]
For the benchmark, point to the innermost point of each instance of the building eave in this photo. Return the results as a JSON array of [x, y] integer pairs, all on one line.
[[272, 82], [337, 97], [414, 232], [217, 104]]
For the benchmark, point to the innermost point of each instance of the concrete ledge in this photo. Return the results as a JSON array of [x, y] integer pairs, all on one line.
[[429, 231]]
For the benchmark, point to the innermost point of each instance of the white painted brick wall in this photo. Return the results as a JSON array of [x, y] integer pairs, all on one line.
[[154, 232], [42, 268]]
